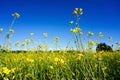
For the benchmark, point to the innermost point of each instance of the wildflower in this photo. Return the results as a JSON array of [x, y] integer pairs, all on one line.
[[30, 60], [17, 43], [96, 65], [76, 9], [75, 12], [27, 41], [5, 78], [81, 33], [100, 58], [13, 77], [81, 11], [11, 30], [31, 34], [13, 70], [56, 38], [100, 34], [45, 34], [90, 42], [90, 33], [79, 56], [62, 61], [16, 15], [56, 59], [23, 44], [71, 22], [51, 67], [1, 29], [8, 49], [104, 68], [6, 70], [77, 29]]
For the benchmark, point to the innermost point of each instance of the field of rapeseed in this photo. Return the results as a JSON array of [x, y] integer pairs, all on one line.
[[39, 63], [61, 65]]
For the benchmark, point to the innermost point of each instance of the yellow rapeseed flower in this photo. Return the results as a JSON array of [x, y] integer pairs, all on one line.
[[81, 33], [75, 12], [31, 34], [27, 41], [100, 58], [79, 56], [8, 49], [90, 42], [74, 31], [23, 44], [5, 70], [104, 68], [96, 65], [56, 59], [11, 30], [62, 61], [56, 38], [76, 9], [16, 15], [100, 34], [90, 33], [17, 43], [13, 70], [51, 67], [45, 34], [81, 11], [77, 29], [5, 78], [30, 60]]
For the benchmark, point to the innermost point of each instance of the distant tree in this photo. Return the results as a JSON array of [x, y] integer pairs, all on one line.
[[103, 47]]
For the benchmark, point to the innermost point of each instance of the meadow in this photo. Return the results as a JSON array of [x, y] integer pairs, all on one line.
[[78, 63]]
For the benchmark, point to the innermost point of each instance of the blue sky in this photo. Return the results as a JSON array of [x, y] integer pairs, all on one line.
[[53, 16]]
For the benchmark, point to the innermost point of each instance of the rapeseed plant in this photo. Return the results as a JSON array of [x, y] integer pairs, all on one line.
[[15, 15], [56, 39]]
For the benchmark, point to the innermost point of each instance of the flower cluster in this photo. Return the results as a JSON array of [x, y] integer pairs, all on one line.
[[56, 38], [57, 60], [90, 34], [17, 15], [78, 11], [75, 30], [100, 34]]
